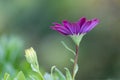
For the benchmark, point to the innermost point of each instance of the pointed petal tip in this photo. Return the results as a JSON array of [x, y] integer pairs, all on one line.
[[83, 18], [65, 21], [96, 20], [55, 23], [52, 27]]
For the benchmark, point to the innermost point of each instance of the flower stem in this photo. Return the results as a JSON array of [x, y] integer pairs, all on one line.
[[75, 62], [41, 76]]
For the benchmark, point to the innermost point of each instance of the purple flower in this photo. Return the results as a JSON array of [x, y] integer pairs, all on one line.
[[75, 28]]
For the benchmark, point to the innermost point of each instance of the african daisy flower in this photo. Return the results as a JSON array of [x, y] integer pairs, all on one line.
[[75, 29]]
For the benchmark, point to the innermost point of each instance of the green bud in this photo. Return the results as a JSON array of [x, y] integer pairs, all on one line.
[[30, 55]]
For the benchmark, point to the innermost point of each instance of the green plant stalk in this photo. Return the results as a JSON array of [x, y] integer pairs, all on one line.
[[41, 75], [39, 71], [75, 62]]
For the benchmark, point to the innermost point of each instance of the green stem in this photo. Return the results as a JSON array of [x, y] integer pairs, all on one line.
[[75, 62], [42, 78], [41, 75]]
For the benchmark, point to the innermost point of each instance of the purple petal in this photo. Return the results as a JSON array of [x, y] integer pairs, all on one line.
[[83, 28], [93, 24], [55, 23], [61, 29], [74, 27], [81, 21], [89, 25], [67, 24]]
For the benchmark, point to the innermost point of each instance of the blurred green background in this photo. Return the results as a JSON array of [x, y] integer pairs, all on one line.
[[26, 23]]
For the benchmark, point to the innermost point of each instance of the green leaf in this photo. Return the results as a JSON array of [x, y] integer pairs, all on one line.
[[52, 69], [68, 74], [35, 68], [6, 76], [76, 70], [20, 76], [57, 74], [67, 47], [33, 77], [41, 76]]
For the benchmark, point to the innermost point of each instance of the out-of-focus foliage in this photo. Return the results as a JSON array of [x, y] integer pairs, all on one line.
[[31, 58], [11, 48]]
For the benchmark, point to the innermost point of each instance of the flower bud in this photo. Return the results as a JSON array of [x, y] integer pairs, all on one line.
[[30, 55]]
